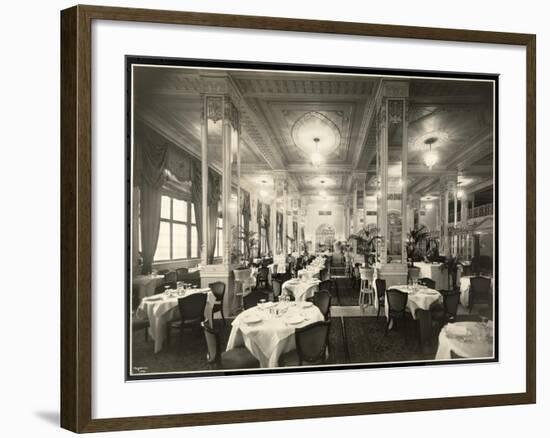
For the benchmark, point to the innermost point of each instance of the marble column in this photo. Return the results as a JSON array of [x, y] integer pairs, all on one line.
[[447, 189], [204, 180], [392, 119]]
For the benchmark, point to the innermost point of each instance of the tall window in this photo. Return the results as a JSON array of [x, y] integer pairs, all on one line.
[[178, 235]]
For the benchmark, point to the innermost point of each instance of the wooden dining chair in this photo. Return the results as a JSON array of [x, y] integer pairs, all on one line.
[[380, 294], [322, 300], [170, 277], [191, 310], [253, 298], [140, 324], [262, 278], [276, 284], [428, 282], [326, 285], [479, 291], [397, 305], [218, 289], [443, 313], [235, 358], [180, 274], [311, 345]]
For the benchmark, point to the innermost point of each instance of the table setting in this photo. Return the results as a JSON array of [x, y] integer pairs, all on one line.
[[161, 308], [419, 297], [466, 339], [267, 330], [302, 287]]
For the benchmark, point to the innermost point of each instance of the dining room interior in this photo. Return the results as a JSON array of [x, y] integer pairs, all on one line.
[[286, 219]]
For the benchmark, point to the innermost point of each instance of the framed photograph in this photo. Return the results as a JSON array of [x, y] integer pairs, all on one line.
[[267, 218]]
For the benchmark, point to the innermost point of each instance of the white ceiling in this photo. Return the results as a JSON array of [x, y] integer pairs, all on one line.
[[274, 102]]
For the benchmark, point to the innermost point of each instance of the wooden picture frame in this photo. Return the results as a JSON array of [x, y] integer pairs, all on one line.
[[76, 218]]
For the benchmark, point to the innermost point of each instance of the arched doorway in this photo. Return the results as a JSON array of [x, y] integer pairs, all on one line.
[[324, 238]]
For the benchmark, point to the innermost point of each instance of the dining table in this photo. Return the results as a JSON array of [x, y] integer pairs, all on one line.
[[162, 308], [310, 272], [419, 297], [467, 339], [437, 273], [302, 289], [268, 329], [419, 300]]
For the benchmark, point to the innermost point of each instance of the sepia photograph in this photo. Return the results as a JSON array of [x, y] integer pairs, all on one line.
[[297, 218]]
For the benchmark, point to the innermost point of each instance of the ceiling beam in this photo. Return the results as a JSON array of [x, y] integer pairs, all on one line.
[[478, 146], [369, 114], [328, 169]]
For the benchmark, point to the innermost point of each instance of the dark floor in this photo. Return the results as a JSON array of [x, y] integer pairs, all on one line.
[[353, 339]]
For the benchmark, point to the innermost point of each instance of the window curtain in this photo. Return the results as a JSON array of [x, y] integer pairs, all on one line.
[[150, 163], [214, 193], [267, 217], [157, 161], [279, 232], [245, 209], [196, 198], [295, 236], [247, 216], [260, 226]]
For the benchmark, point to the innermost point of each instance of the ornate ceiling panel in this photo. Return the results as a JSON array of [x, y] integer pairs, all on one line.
[[271, 103]]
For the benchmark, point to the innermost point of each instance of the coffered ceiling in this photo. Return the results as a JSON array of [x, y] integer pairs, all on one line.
[[273, 108]]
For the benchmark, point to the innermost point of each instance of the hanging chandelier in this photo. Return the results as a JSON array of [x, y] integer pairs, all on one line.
[[316, 158], [430, 156]]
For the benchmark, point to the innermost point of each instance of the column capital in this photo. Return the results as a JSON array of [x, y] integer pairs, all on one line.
[[448, 183], [395, 88]]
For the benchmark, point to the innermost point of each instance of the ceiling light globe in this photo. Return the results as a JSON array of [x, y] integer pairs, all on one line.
[[430, 159]]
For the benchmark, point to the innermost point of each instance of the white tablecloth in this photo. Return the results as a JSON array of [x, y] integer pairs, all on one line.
[[434, 271], [272, 336], [419, 298], [466, 339], [160, 309], [465, 290], [301, 290], [309, 272], [318, 263], [146, 285], [281, 268]]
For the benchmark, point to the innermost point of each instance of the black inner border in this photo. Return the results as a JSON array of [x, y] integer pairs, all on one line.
[[130, 60]]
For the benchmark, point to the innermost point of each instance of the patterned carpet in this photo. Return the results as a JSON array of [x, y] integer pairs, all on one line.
[[355, 337], [364, 342]]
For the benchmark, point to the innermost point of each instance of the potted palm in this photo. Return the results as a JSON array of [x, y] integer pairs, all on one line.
[[249, 240], [365, 240], [414, 237]]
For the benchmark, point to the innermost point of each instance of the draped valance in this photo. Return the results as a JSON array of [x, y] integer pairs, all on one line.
[[154, 156], [161, 165]]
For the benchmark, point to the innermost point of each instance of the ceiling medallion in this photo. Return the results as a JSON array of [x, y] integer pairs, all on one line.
[[316, 135]]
